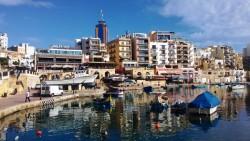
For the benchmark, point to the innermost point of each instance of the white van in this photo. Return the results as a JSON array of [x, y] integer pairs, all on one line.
[[52, 90]]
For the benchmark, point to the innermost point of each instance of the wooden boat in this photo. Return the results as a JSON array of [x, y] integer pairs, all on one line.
[[206, 103]]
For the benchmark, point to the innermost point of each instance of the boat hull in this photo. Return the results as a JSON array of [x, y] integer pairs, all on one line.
[[208, 111]]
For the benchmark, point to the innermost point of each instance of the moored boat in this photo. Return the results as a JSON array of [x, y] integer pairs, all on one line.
[[198, 86], [178, 106], [159, 104], [102, 103], [235, 87], [148, 89], [114, 92], [206, 103]]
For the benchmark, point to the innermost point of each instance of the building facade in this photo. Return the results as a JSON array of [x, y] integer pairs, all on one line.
[[159, 53], [141, 49], [89, 45], [58, 58], [120, 51], [3, 41], [163, 48], [246, 58], [185, 53]]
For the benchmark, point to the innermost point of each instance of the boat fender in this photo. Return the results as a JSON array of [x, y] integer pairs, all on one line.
[[39, 133], [157, 125], [16, 138]]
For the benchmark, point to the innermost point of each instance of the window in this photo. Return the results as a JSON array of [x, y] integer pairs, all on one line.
[[154, 46]]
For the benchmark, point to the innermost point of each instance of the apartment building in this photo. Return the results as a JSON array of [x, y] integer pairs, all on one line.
[[141, 49], [120, 51], [163, 48], [185, 53]]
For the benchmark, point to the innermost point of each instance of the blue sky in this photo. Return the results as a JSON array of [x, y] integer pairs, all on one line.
[[45, 22]]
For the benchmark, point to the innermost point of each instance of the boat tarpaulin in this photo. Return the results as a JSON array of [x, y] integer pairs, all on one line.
[[205, 100]]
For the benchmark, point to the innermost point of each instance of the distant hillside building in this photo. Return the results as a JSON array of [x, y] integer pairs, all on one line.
[[3, 41], [246, 58]]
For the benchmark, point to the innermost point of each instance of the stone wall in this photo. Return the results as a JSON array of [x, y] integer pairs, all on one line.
[[21, 84]]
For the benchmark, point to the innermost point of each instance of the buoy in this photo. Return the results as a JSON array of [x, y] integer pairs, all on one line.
[[39, 133], [16, 138], [157, 125]]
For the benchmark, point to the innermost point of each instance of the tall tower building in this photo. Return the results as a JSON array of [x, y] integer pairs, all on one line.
[[101, 29]]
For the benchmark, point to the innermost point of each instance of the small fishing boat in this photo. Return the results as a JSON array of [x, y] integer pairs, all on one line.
[[102, 103], [158, 107], [235, 87], [179, 106], [220, 84], [114, 92], [206, 103], [148, 89], [198, 86], [159, 104]]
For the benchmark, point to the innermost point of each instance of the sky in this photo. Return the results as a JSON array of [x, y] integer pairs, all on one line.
[[204, 22]]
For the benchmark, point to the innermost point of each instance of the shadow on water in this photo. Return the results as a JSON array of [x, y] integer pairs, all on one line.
[[205, 122]]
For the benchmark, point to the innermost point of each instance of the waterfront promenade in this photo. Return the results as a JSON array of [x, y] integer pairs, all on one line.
[[15, 103]]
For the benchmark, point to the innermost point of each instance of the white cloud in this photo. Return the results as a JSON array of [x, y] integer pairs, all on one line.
[[36, 3], [217, 20]]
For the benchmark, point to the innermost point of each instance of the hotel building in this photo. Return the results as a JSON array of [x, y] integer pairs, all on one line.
[[58, 58]]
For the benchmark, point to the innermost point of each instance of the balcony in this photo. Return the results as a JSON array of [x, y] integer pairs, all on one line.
[[142, 48]]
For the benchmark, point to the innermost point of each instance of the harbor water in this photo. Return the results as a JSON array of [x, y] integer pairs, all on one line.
[[130, 119]]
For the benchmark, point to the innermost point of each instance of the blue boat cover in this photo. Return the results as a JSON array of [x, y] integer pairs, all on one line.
[[205, 100]]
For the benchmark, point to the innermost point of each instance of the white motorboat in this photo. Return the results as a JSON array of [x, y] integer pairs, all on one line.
[[236, 87]]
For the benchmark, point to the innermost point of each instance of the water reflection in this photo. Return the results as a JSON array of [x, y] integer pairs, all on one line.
[[128, 119]]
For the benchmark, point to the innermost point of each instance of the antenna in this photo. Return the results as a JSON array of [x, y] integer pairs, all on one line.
[[101, 15]]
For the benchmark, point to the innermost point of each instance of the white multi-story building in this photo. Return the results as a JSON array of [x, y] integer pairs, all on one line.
[[159, 52], [3, 41], [163, 48]]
